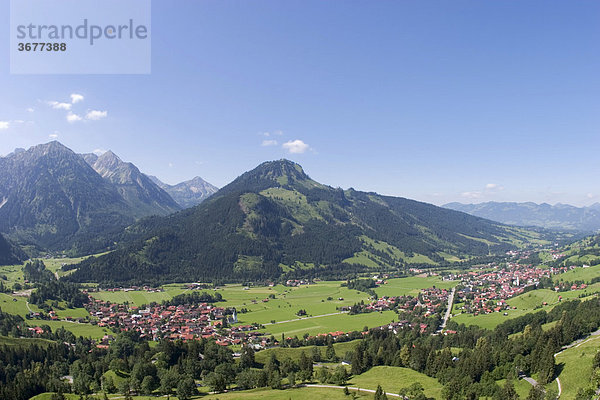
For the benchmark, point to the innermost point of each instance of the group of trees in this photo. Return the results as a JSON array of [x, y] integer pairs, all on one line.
[[35, 271], [59, 291], [194, 298]]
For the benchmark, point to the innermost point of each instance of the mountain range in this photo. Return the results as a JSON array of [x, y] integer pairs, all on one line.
[[189, 193], [559, 216], [276, 220], [54, 199]]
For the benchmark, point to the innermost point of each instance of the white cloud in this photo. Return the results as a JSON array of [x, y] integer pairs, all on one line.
[[53, 135], [472, 195], [76, 98], [73, 117], [274, 133], [30, 109], [95, 115], [59, 106], [170, 165], [494, 186], [590, 196], [4, 125], [296, 146], [269, 143], [99, 152]]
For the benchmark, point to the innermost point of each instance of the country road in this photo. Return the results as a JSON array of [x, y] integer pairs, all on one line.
[[448, 311], [349, 388], [575, 344], [302, 319]]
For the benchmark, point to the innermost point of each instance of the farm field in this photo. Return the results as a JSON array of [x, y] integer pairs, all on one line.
[[412, 285], [317, 299], [18, 307], [577, 366], [332, 323], [525, 303], [392, 379]]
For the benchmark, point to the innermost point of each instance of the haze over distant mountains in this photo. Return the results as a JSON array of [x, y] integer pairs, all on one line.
[[189, 193], [275, 219], [55, 199], [559, 216]]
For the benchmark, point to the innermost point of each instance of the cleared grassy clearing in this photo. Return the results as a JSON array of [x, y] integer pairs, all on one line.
[[577, 366], [392, 379]]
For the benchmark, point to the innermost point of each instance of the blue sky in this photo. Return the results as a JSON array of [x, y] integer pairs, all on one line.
[[438, 101]]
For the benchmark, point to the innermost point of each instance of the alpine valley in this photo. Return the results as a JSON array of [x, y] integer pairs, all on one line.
[[276, 220]]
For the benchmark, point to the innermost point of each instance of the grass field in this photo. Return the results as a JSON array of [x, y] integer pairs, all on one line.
[[579, 274], [525, 303], [392, 379], [521, 386], [19, 307], [288, 300], [412, 285], [341, 322], [577, 366]]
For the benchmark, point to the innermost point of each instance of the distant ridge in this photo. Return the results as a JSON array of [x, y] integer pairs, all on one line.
[[558, 216], [188, 193], [138, 190]]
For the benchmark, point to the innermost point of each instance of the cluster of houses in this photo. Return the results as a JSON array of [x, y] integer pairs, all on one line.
[[186, 322], [486, 291], [296, 282]]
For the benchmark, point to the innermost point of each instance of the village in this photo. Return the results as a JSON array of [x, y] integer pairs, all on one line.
[[487, 290]]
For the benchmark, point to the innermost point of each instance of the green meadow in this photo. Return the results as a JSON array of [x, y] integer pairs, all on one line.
[[332, 323], [577, 366], [18, 307], [579, 274], [392, 379]]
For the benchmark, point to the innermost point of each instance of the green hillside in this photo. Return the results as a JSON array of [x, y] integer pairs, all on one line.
[[276, 219]]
